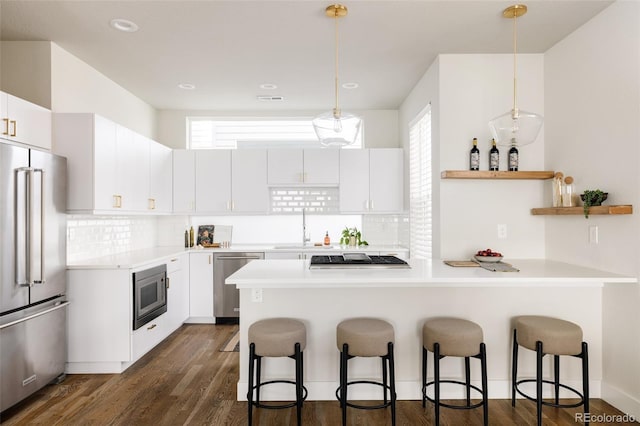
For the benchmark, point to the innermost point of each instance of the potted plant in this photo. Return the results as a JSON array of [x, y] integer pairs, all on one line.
[[592, 197], [352, 237]]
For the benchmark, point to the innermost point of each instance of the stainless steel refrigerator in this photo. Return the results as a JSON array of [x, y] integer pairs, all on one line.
[[33, 310]]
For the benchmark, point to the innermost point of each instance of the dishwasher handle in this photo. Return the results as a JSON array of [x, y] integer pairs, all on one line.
[[238, 257]]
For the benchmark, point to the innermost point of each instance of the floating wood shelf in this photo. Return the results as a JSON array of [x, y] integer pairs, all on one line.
[[562, 211], [486, 174]]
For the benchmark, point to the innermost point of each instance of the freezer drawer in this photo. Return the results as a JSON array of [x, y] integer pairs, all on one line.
[[33, 351]]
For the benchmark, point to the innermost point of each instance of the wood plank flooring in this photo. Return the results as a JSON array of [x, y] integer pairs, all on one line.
[[186, 380]]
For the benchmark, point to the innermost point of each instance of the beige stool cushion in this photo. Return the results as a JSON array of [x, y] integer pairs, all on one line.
[[277, 337], [457, 337], [365, 336], [558, 337]]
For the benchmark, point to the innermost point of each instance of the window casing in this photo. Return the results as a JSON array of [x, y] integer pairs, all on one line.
[[420, 188]]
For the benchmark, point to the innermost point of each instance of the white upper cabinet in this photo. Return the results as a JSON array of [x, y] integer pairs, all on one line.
[[24, 122], [184, 181], [213, 180], [108, 165], [303, 167], [249, 190], [160, 178], [231, 181], [371, 180]]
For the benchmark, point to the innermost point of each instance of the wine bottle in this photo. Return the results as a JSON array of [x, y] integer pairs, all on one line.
[[513, 157], [474, 156], [494, 156]]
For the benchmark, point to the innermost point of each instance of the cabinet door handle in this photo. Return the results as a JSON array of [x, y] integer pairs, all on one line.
[[117, 201], [151, 327], [370, 204], [15, 128], [152, 204], [168, 282], [210, 256], [6, 126]]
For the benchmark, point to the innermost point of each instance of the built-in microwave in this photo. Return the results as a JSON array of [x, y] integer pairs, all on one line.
[[149, 295]]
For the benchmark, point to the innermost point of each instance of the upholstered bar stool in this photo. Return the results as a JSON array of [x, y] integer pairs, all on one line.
[[276, 337], [549, 336], [459, 338], [366, 337]]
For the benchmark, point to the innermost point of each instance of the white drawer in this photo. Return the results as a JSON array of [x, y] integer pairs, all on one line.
[[147, 336], [174, 264]]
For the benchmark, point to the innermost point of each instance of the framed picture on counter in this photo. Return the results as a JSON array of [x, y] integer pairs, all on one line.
[[205, 235]]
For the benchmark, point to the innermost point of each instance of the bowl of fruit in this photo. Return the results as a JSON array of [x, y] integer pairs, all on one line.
[[488, 255]]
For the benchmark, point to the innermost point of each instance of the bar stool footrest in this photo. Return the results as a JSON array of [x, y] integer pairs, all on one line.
[[551, 404], [366, 407], [455, 407], [277, 407]]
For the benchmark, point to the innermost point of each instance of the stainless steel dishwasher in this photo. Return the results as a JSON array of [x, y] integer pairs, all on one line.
[[226, 298]]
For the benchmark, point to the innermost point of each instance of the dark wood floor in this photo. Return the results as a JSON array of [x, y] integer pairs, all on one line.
[[187, 380]]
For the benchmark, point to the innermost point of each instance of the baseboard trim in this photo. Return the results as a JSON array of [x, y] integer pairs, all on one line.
[[621, 400]]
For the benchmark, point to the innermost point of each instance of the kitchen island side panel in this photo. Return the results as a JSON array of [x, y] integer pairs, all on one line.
[[321, 309]]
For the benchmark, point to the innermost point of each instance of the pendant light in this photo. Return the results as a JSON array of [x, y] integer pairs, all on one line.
[[515, 127], [336, 128]]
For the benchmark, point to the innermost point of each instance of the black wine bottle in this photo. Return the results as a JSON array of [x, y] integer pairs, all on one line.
[[474, 156], [513, 157], [494, 156]]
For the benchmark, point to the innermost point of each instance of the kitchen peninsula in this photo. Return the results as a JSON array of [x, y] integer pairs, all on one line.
[[321, 298]]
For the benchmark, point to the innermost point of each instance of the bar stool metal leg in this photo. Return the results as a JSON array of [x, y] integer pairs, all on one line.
[[298, 359], [252, 350], [343, 382], [539, 355], [485, 396], [258, 376], [467, 375], [436, 373], [392, 377], [384, 379], [424, 377], [556, 378], [585, 379], [514, 369]]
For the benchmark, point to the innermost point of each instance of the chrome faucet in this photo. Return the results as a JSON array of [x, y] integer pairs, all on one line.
[[305, 239]]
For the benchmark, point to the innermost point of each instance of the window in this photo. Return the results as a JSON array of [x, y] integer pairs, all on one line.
[[420, 185], [233, 133]]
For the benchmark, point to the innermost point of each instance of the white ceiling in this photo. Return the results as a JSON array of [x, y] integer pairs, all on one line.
[[228, 48]]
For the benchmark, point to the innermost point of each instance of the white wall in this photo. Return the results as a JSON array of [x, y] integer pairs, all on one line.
[[466, 91], [25, 70], [77, 87], [381, 126], [592, 94]]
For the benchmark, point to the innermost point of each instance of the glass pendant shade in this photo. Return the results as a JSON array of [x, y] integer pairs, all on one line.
[[337, 129], [516, 125]]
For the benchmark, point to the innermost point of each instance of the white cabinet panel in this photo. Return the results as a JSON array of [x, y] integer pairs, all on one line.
[[184, 181], [354, 180], [371, 180], [285, 166], [160, 178], [386, 193], [249, 190], [24, 122], [322, 166], [148, 336], [213, 181], [201, 287], [177, 291]]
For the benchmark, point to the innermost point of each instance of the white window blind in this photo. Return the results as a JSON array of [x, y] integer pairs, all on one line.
[[420, 185], [233, 133]]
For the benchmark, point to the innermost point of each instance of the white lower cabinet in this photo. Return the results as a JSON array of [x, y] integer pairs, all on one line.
[[101, 338], [201, 288]]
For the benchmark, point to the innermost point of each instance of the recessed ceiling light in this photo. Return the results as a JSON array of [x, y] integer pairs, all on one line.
[[268, 86], [350, 85], [186, 86], [124, 25]]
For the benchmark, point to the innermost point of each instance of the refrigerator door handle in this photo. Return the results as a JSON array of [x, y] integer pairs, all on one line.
[[27, 259], [37, 314]]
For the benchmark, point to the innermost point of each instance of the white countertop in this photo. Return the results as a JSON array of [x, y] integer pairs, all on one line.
[[423, 273], [137, 258]]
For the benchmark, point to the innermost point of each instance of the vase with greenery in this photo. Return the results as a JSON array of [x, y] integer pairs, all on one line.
[[592, 197], [352, 237]]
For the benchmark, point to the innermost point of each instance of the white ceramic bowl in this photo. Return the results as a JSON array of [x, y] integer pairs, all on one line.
[[488, 259]]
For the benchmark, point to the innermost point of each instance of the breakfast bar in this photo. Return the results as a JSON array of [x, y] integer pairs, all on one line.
[[321, 298]]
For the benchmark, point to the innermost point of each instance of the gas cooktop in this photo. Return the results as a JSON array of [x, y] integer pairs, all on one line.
[[356, 260]]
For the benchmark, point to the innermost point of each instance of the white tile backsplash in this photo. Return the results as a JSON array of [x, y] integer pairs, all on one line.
[[390, 229], [96, 236]]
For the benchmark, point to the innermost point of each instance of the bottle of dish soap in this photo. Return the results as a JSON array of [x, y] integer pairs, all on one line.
[[327, 240]]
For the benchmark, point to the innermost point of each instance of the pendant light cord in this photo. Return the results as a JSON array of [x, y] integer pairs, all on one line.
[[515, 64], [336, 110]]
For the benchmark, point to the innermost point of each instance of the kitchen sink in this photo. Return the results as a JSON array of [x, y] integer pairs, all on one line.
[[301, 247]]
